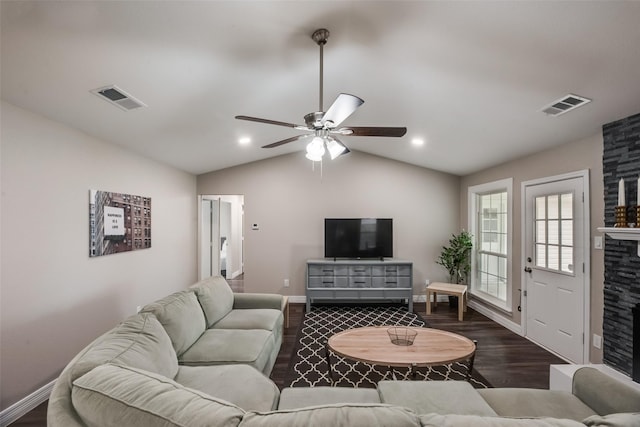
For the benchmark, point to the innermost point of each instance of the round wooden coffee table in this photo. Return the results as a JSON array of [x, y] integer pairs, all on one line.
[[372, 345]]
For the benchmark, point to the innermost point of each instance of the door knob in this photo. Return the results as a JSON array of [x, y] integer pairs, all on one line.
[[528, 270]]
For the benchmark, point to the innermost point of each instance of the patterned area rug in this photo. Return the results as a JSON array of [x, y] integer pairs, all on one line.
[[308, 366]]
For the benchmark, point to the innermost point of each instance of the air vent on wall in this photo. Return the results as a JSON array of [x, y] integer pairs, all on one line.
[[565, 104], [118, 97]]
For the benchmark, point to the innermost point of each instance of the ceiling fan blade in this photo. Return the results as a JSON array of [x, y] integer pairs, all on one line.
[[395, 132], [284, 141], [342, 107], [269, 122]]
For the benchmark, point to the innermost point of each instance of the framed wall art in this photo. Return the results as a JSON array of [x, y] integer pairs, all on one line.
[[118, 222]]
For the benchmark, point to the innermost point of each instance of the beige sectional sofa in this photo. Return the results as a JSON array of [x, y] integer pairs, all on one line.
[[201, 357], [206, 340]]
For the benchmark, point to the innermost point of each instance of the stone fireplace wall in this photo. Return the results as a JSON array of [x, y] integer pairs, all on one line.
[[621, 159]]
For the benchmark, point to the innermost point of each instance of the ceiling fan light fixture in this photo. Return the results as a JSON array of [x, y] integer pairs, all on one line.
[[313, 158], [315, 149], [335, 148]]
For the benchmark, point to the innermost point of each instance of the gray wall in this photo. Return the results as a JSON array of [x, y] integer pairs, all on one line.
[[55, 299], [289, 202], [574, 156]]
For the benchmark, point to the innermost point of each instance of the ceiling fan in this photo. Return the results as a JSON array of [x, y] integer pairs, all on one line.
[[324, 125]]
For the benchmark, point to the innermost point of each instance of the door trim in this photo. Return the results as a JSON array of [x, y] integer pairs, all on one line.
[[584, 174]]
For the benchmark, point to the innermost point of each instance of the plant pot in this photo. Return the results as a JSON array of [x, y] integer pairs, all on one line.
[[453, 301]]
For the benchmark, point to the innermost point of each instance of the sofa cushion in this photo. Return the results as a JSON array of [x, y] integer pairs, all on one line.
[[624, 419], [526, 402], [300, 397], [111, 395], [352, 415], [215, 297], [603, 393], [258, 318], [228, 346], [140, 342], [442, 397], [454, 420], [230, 382], [255, 300], [182, 318]]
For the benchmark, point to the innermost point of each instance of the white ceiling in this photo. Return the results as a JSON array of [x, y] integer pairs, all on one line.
[[470, 78]]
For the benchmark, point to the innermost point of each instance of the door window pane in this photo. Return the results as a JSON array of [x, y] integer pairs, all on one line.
[[567, 232], [566, 202], [567, 260], [554, 232], [541, 207], [541, 232], [552, 206], [553, 257]]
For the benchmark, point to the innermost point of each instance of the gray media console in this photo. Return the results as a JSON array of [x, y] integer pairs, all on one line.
[[359, 280]]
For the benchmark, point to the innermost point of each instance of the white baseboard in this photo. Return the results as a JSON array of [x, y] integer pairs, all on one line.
[[512, 326], [298, 299], [20, 408]]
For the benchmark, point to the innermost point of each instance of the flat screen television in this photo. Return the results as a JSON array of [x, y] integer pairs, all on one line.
[[358, 237]]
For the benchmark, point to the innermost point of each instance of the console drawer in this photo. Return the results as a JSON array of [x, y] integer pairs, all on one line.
[[359, 282], [385, 282], [359, 270], [391, 270], [327, 270]]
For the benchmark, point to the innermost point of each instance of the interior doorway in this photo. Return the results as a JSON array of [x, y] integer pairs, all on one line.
[[221, 236], [556, 264]]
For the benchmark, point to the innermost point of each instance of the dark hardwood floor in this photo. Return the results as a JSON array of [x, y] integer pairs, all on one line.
[[503, 358]]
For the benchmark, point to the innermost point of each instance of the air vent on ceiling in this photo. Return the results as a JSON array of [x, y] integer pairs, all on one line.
[[565, 104], [118, 97]]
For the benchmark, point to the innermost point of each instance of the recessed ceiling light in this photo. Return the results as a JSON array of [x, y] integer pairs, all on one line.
[[417, 142], [244, 140]]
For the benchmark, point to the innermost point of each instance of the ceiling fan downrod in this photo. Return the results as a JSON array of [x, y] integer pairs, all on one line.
[[320, 37]]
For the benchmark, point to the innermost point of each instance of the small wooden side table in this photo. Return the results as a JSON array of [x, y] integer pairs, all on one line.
[[459, 291]]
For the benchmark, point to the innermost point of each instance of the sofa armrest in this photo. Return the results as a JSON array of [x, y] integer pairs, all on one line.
[[604, 394], [244, 301]]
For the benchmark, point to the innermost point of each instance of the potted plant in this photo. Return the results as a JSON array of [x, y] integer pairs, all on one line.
[[456, 258]]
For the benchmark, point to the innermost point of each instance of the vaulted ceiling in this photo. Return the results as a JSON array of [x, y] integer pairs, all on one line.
[[468, 78]]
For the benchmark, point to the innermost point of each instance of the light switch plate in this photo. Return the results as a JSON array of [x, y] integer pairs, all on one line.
[[597, 242]]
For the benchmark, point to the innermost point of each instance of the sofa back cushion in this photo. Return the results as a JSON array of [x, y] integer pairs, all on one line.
[[216, 298], [604, 394], [112, 395], [455, 420], [352, 415], [140, 342], [182, 318]]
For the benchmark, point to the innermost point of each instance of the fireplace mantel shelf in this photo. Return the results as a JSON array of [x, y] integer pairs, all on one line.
[[622, 234]]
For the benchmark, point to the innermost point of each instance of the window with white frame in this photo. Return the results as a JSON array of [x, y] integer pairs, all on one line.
[[490, 223]]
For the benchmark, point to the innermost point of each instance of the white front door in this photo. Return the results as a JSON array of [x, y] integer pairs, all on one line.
[[556, 285]]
